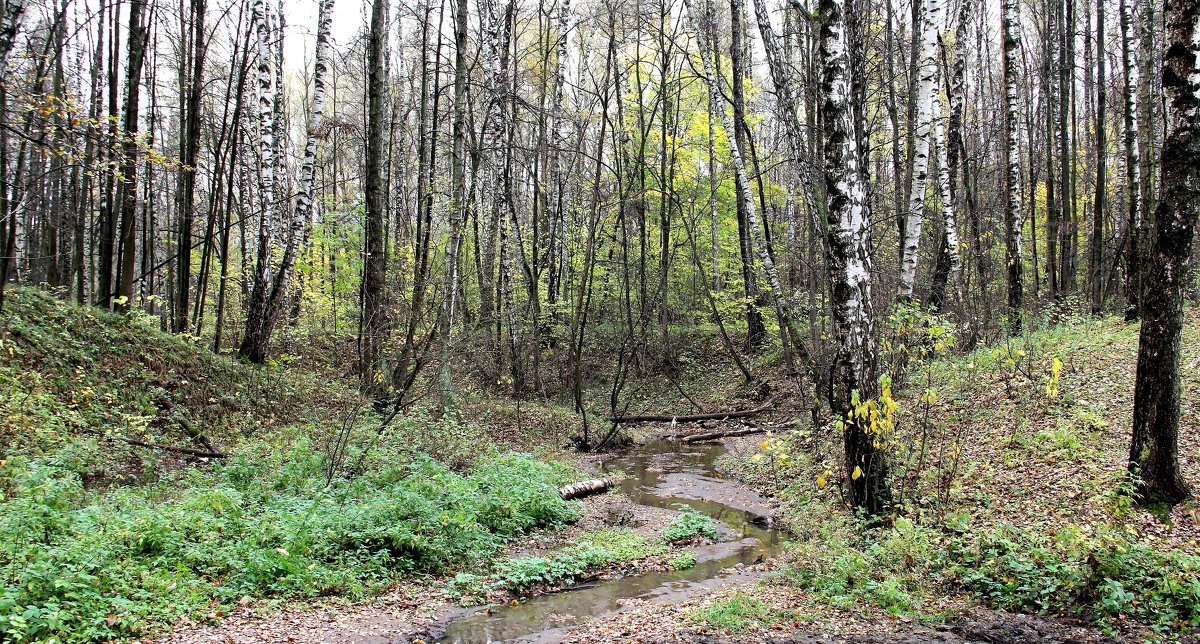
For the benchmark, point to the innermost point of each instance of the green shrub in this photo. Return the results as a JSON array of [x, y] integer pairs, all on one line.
[[685, 561], [1095, 574], [686, 525], [891, 569]]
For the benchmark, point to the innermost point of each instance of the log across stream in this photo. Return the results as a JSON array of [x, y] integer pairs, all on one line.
[[661, 474]]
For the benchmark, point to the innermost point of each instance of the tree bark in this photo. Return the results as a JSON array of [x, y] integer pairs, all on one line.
[[855, 363], [372, 371], [193, 88], [129, 168], [1134, 224], [1096, 245], [1154, 449], [926, 87], [1009, 36]]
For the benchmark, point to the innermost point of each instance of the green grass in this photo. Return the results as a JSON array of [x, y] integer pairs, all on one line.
[[737, 613]]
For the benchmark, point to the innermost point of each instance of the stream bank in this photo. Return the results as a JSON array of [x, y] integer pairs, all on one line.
[[660, 474]]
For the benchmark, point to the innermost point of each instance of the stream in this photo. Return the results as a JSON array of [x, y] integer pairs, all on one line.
[[659, 474]]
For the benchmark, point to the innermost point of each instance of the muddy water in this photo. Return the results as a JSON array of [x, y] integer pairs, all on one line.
[[665, 475]]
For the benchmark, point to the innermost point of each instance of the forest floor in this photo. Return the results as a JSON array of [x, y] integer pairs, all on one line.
[[1009, 463]]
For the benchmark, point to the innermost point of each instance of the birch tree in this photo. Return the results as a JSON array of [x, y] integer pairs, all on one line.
[[854, 371], [926, 84], [946, 193], [1133, 166], [1154, 449], [1011, 164], [269, 285]]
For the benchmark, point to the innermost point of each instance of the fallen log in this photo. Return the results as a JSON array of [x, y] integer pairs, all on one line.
[[708, 436], [692, 418], [584, 488], [198, 453]]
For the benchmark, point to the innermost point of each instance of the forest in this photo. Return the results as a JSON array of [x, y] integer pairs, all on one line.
[[598, 321]]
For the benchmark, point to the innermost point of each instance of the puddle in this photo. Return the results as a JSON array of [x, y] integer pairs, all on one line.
[[661, 474]]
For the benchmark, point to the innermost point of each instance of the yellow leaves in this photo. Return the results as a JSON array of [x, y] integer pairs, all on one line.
[[821, 481], [1052, 381], [857, 473]]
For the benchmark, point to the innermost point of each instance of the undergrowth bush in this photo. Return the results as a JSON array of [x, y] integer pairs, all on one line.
[[1097, 574], [891, 571], [78, 566], [595, 550], [686, 525]]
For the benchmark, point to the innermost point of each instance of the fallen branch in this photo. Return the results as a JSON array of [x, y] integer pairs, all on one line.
[[719, 415], [199, 453], [584, 488], [708, 436]]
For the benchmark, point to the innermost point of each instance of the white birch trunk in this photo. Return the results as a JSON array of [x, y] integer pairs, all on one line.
[[265, 85], [789, 112], [948, 219], [1133, 170], [1013, 220], [10, 23], [558, 138], [926, 86], [316, 119], [713, 182], [849, 266]]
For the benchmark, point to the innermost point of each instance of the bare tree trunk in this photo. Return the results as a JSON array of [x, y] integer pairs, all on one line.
[[854, 371], [372, 371], [1096, 246], [257, 335], [756, 331], [1154, 450], [1134, 224], [129, 169], [926, 87], [950, 241], [1009, 35], [193, 89], [10, 23]]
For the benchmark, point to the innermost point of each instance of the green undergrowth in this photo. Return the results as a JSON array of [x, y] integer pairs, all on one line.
[[687, 525], [1008, 468], [1101, 575], [69, 372], [735, 614], [78, 566], [594, 551], [315, 496]]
